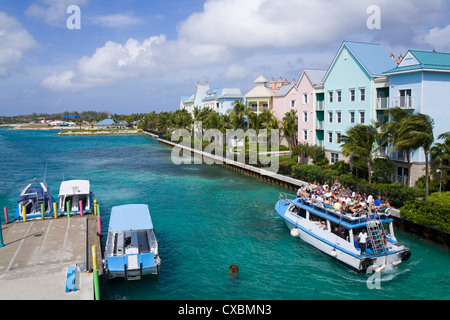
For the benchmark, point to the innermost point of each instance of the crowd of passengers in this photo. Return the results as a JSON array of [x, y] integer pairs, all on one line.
[[342, 200]]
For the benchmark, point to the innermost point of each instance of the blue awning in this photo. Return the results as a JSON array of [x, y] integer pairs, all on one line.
[[130, 217]]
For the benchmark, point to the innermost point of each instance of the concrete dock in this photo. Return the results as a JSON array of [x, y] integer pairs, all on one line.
[[36, 255]]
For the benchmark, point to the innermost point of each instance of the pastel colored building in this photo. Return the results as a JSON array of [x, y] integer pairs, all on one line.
[[353, 86], [421, 84], [260, 98], [196, 99], [308, 85], [222, 99]]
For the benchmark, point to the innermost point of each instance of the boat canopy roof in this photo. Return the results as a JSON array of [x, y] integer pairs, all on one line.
[[335, 217], [130, 217], [72, 187], [36, 192]]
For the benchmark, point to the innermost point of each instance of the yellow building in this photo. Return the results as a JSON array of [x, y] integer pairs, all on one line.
[[260, 97]]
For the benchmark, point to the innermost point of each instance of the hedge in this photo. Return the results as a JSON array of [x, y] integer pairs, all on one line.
[[427, 214], [395, 192]]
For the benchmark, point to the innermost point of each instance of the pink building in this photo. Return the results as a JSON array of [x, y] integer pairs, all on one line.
[[310, 81], [286, 99]]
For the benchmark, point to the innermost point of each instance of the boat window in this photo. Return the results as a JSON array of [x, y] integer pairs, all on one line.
[[339, 231], [302, 213], [314, 218]]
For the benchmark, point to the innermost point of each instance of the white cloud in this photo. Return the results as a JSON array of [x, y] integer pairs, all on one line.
[[439, 38], [15, 40], [233, 32], [52, 12]]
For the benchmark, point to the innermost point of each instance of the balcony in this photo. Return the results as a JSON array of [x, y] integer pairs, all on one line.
[[398, 155], [382, 103], [320, 105], [320, 143], [404, 102], [320, 125]]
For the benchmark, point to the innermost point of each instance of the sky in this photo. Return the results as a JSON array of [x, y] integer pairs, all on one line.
[[139, 56]]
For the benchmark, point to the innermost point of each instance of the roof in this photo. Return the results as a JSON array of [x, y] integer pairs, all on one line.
[[72, 187], [419, 60], [130, 217], [107, 122], [315, 76], [217, 93], [261, 79], [284, 90], [260, 90], [371, 56]]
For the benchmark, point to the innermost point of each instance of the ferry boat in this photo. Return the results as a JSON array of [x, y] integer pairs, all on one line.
[[76, 195], [31, 199], [333, 233], [131, 249]]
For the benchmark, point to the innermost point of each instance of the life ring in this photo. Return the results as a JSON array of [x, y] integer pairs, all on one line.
[[366, 263]]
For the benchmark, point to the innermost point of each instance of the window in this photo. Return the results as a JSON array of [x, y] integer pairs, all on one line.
[[305, 116], [305, 134], [362, 117], [305, 98], [338, 137], [352, 116], [339, 96], [334, 157], [330, 117], [338, 116], [352, 95], [362, 94], [293, 103], [330, 137], [330, 96]]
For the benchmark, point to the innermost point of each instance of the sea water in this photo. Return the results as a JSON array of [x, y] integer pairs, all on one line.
[[206, 219]]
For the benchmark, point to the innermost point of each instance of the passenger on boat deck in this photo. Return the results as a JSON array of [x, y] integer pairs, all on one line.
[[363, 241], [324, 225], [355, 241], [377, 201], [337, 206]]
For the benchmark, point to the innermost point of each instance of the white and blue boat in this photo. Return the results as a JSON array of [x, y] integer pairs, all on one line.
[[131, 249], [31, 199], [75, 194], [334, 232]]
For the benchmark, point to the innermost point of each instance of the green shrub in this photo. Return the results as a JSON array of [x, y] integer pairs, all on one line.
[[427, 214], [308, 173], [444, 201]]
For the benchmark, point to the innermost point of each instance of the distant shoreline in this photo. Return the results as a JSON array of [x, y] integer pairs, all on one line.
[[70, 131]]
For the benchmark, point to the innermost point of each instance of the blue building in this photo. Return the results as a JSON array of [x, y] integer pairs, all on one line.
[[355, 91], [222, 99], [420, 83]]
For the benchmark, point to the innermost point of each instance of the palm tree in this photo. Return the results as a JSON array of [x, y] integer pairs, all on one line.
[[290, 127], [391, 135], [416, 131], [239, 114], [361, 141]]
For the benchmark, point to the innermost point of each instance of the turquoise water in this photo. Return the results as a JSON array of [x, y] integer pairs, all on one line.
[[207, 218]]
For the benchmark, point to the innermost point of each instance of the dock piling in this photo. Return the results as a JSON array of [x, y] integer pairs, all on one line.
[[96, 277], [42, 211], [5, 209], [80, 204], [68, 209], [24, 214], [55, 210]]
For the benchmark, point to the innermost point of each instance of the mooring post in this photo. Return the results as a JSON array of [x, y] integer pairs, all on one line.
[[55, 210], [42, 211], [5, 209], [68, 209], [80, 204], [1, 232], [24, 214], [96, 278]]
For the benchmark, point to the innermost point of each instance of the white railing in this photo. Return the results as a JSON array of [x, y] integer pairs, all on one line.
[[405, 102], [320, 105], [319, 125], [382, 103]]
